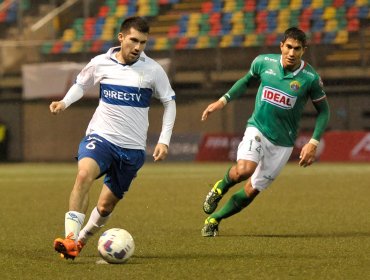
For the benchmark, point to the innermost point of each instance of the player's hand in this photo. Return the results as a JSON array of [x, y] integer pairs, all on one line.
[[57, 106], [307, 155], [218, 105], [160, 152]]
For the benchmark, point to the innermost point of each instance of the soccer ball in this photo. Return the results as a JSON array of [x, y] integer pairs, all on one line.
[[116, 245]]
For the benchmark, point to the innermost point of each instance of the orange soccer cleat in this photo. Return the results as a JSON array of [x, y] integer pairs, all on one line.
[[68, 248]]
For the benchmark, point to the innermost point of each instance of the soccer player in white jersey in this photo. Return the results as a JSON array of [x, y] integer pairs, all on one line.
[[115, 140], [286, 84]]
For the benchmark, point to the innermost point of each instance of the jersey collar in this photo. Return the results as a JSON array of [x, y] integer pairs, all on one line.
[[111, 55], [295, 73]]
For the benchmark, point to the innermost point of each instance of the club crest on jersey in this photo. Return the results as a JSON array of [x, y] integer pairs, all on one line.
[[278, 98], [295, 85]]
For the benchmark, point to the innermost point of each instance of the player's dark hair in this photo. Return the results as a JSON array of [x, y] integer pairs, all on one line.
[[138, 23], [296, 34]]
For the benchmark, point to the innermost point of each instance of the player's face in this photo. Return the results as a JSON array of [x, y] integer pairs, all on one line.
[[132, 45], [291, 52]]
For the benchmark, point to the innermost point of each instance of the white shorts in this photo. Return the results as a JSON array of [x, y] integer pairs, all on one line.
[[270, 158]]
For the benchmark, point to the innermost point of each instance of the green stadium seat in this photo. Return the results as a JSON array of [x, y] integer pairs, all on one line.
[[46, 47]]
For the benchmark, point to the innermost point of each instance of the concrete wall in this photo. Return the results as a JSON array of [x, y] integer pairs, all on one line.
[[11, 117]]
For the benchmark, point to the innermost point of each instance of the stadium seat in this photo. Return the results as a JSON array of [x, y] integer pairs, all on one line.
[[331, 25], [76, 47], [96, 46], [338, 3], [250, 6], [329, 37], [207, 7], [295, 4], [69, 35], [317, 25], [57, 47], [329, 13], [353, 25], [342, 37], [316, 37], [262, 5], [46, 47], [352, 12], [306, 4], [181, 43], [252, 40], [316, 4]]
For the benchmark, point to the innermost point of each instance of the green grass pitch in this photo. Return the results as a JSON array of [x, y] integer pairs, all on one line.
[[312, 223]]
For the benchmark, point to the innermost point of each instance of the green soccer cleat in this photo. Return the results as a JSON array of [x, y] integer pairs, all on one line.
[[212, 199], [210, 228]]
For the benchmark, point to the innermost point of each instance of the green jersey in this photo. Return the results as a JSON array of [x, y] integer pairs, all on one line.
[[281, 97]]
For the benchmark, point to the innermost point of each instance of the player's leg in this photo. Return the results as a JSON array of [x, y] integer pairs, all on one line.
[[249, 154], [88, 170], [237, 202], [99, 215], [92, 150], [234, 175], [116, 183], [270, 166]]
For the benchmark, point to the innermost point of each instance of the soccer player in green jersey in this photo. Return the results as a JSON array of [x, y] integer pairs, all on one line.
[[286, 84]]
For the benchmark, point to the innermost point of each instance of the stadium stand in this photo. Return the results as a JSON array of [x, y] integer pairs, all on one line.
[[221, 28], [209, 43], [329, 22]]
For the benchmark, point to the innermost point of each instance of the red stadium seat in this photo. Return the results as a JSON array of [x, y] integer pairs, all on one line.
[[207, 7], [338, 3]]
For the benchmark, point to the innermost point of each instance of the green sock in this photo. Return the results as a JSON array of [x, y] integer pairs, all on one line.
[[226, 183], [237, 202]]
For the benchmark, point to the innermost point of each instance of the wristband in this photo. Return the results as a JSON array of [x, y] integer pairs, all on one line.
[[314, 142], [223, 100]]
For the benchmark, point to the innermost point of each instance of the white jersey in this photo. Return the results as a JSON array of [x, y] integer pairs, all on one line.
[[125, 93]]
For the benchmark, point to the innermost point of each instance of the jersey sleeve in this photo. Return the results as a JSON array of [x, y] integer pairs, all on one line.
[[256, 66], [162, 87], [317, 92], [85, 78]]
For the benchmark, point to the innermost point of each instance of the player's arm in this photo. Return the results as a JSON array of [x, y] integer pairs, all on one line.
[[165, 93], [169, 116], [74, 93], [84, 81], [240, 87], [308, 152]]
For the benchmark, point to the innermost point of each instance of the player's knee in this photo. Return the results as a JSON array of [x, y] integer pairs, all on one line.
[[83, 176], [243, 172], [104, 209]]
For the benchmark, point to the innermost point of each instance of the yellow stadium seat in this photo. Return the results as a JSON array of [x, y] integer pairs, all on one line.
[[229, 6], [237, 29], [360, 3], [329, 13], [69, 35], [121, 11], [295, 4], [283, 15], [250, 40], [273, 5], [161, 43], [76, 47], [317, 4], [342, 37], [226, 41], [203, 42], [331, 25]]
